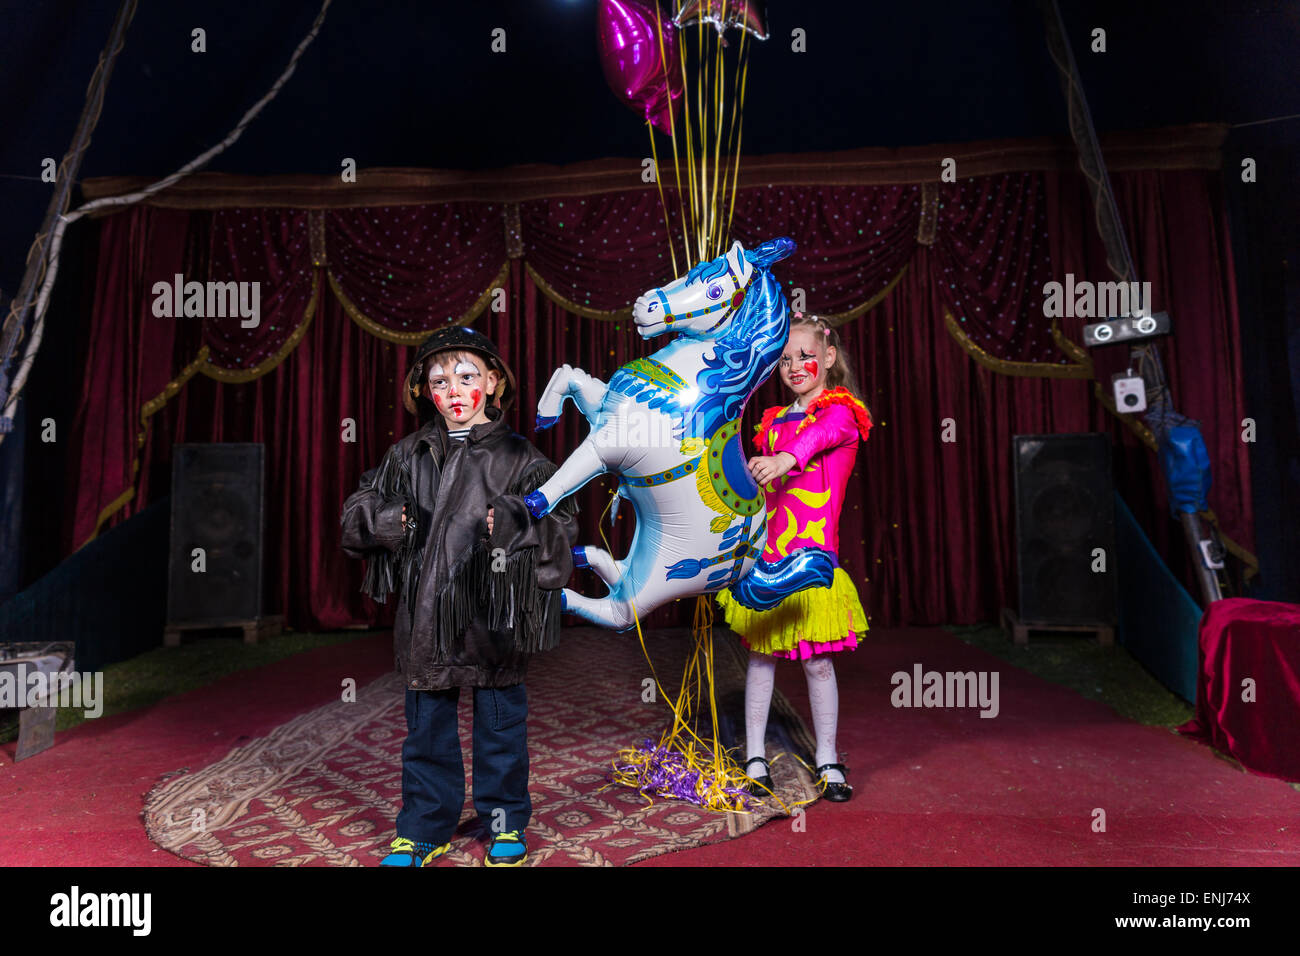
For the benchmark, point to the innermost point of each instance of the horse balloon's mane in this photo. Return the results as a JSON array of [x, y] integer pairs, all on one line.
[[746, 353]]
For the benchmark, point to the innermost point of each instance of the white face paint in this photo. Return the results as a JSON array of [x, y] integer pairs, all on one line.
[[458, 394]]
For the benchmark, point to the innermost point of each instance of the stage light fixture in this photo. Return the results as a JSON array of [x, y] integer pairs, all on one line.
[[1126, 329]]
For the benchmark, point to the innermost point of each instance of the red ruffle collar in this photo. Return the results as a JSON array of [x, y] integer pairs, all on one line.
[[829, 397]]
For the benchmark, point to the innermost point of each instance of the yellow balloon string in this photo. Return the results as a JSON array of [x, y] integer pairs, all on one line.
[[706, 194], [700, 118], [738, 118], [719, 109], [668, 228], [689, 200], [672, 132], [713, 768]]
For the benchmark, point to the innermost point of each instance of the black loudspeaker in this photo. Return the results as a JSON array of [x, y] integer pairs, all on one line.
[[217, 506], [1065, 510]]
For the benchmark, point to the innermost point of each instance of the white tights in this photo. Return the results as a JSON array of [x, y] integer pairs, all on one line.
[[823, 695]]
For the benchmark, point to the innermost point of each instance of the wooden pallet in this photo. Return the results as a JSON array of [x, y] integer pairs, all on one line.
[[1020, 629], [254, 630]]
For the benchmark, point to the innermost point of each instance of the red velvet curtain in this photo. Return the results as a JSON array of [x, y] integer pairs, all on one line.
[[929, 528]]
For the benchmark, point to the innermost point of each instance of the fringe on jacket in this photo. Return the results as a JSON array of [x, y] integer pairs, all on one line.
[[388, 570], [508, 594]]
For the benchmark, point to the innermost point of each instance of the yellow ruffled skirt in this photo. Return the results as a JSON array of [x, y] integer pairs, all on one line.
[[809, 622]]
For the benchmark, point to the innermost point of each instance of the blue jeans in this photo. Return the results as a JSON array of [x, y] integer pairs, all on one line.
[[433, 773]]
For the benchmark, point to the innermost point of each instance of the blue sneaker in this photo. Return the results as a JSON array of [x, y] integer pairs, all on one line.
[[507, 849], [409, 853]]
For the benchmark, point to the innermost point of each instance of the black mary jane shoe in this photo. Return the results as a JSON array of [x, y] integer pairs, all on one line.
[[761, 786], [835, 792]]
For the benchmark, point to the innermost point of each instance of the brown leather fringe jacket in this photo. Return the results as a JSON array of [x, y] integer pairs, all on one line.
[[471, 607]]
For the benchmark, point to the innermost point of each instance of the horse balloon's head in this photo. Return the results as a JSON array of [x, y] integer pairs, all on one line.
[[700, 303]]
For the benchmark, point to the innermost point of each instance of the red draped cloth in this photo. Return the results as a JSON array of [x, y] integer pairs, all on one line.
[[1248, 686], [937, 286]]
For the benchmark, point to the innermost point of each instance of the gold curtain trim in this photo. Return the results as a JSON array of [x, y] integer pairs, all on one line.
[[1023, 369], [147, 411], [1075, 351], [927, 228], [585, 311], [415, 338], [257, 371], [112, 508], [316, 236], [858, 311]]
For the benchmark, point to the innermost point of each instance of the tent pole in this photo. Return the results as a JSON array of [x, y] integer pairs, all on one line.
[[23, 300]]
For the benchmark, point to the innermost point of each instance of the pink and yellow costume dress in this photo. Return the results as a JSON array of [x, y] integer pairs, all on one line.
[[803, 510]]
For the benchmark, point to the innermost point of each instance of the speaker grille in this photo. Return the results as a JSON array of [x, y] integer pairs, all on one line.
[[1065, 509], [216, 506]]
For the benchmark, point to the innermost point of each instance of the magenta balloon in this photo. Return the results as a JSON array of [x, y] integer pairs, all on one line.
[[627, 35]]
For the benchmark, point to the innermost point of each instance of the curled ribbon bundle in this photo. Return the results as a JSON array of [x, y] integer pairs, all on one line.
[[682, 765]]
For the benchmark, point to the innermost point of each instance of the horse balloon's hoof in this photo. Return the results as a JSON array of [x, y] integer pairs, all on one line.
[[580, 557], [564, 599], [546, 421], [537, 504]]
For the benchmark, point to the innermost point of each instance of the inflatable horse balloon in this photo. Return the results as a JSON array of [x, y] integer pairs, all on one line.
[[668, 426]]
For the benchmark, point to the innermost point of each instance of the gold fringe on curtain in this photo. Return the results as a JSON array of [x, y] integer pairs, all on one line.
[[606, 315], [415, 338], [147, 411], [236, 375], [202, 364], [1083, 368], [839, 318]]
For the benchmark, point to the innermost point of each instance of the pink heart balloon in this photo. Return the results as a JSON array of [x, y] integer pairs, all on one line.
[[628, 38]]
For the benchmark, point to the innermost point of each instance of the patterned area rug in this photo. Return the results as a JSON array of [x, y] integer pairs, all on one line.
[[325, 788]]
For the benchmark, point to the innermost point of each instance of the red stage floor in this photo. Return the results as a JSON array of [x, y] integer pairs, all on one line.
[[934, 786]]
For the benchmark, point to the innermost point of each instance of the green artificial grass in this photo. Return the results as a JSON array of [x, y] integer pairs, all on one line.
[[146, 679], [1107, 674]]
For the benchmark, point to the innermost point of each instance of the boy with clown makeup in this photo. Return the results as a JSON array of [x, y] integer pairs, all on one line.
[[442, 522]]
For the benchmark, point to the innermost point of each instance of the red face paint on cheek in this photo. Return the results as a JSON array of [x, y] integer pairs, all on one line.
[[810, 367], [437, 400], [475, 398]]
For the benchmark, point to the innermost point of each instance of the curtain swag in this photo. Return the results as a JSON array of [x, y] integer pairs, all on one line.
[[975, 253]]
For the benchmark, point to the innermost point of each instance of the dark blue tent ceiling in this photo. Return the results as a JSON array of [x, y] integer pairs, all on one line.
[[416, 83]]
